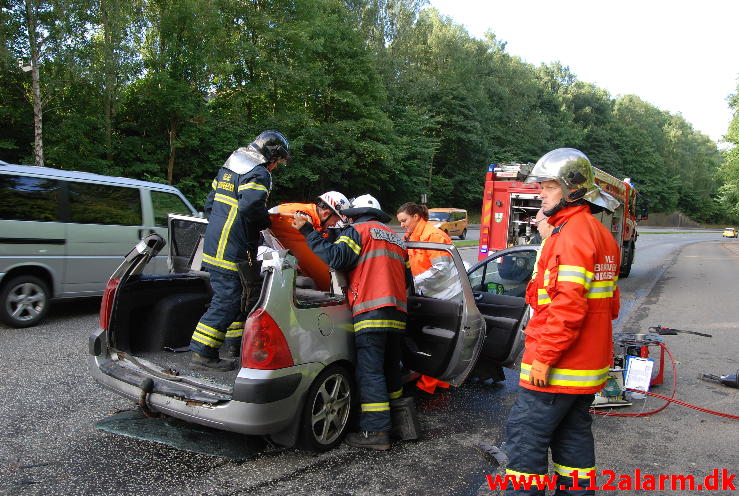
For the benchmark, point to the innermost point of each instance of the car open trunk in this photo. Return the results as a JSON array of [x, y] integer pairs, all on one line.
[[153, 319]]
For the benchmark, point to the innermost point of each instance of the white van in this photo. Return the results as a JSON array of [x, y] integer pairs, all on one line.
[[62, 233]]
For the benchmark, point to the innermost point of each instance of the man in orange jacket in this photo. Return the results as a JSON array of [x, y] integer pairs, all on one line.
[[324, 213], [568, 340]]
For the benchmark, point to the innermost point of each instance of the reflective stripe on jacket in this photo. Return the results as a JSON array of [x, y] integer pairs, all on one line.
[[236, 209], [433, 271], [575, 297], [378, 279]]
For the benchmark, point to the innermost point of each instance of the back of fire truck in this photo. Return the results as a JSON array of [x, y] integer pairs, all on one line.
[[509, 207]]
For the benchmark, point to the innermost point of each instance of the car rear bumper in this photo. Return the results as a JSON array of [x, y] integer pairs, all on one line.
[[265, 414]]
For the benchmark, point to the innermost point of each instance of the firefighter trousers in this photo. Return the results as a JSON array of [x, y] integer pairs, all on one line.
[[540, 421], [378, 373], [221, 320]]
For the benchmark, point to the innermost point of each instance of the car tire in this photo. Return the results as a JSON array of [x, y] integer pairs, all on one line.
[[327, 410], [464, 234], [24, 301]]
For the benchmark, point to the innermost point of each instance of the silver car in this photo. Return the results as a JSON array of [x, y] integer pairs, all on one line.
[[295, 383]]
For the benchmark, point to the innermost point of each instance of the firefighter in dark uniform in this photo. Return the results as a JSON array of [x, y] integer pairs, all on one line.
[[236, 209], [375, 260]]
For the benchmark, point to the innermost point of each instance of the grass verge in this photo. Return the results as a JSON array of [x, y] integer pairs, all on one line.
[[464, 243]]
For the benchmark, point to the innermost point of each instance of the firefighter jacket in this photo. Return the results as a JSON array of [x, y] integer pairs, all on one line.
[[574, 297], [433, 271], [236, 209], [375, 260]]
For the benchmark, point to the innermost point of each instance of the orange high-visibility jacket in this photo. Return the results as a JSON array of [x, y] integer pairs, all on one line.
[[421, 259], [378, 280], [575, 297], [307, 208]]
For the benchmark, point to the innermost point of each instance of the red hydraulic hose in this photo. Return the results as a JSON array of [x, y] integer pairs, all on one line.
[[668, 400]]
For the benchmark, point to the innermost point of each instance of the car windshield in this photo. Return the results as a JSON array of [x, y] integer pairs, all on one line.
[[439, 216]]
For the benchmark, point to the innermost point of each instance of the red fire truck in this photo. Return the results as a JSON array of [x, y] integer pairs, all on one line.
[[509, 207]]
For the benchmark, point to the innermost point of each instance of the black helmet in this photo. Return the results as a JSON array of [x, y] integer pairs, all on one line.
[[272, 145]]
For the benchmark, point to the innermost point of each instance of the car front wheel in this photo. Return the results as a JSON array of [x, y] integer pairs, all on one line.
[[24, 300], [327, 408]]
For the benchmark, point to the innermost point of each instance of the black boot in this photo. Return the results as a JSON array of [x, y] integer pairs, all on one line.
[[232, 351], [369, 440], [200, 362]]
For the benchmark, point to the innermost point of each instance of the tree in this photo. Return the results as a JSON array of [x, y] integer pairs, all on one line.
[[38, 32], [729, 169]]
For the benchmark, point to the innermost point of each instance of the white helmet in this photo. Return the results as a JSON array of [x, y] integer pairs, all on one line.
[[335, 201], [366, 201], [366, 205]]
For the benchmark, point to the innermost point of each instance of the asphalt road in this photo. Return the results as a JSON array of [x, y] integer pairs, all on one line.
[[50, 405]]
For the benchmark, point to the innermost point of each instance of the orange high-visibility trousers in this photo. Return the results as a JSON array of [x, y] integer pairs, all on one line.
[[429, 384]]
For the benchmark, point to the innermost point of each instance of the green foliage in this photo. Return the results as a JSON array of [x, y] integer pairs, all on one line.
[[380, 96]]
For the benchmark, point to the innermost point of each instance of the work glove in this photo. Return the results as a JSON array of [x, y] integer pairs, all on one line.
[[539, 374]]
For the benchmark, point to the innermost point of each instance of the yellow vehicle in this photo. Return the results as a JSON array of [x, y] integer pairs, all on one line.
[[452, 221], [730, 232]]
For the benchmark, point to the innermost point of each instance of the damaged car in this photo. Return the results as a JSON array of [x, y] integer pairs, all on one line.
[[295, 381]]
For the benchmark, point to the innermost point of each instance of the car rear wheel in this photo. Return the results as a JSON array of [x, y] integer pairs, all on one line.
[[327, 410], [24, 301], [464, 234]]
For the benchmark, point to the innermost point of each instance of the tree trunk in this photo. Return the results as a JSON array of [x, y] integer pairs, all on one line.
[[108, 65], [172, 153], [38, 146]]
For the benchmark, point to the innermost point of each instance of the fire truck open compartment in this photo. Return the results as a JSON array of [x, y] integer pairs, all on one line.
[[509, 208]]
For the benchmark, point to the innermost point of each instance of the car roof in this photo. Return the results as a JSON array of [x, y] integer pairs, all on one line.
[[441, 209], [48, 172]]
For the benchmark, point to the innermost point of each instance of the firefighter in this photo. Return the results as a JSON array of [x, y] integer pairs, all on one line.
[[568, 348], [433, 271], [324, 214], [236, 210], [375, 260]]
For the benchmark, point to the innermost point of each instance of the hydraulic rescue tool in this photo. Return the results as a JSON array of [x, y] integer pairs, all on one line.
[[667, 331], [726, 380]]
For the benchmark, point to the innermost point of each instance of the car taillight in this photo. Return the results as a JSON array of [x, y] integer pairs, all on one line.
[[106, 306], [264, 346]]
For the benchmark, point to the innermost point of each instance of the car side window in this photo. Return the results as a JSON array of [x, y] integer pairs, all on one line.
[[167, 203], [29, 198], [103, 204], [506, 275], [434, 274]]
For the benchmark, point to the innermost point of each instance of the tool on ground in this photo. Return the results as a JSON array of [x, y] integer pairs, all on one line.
[[726, 380], [667, 399], [668, 331], [638, 344], [405, 419]]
